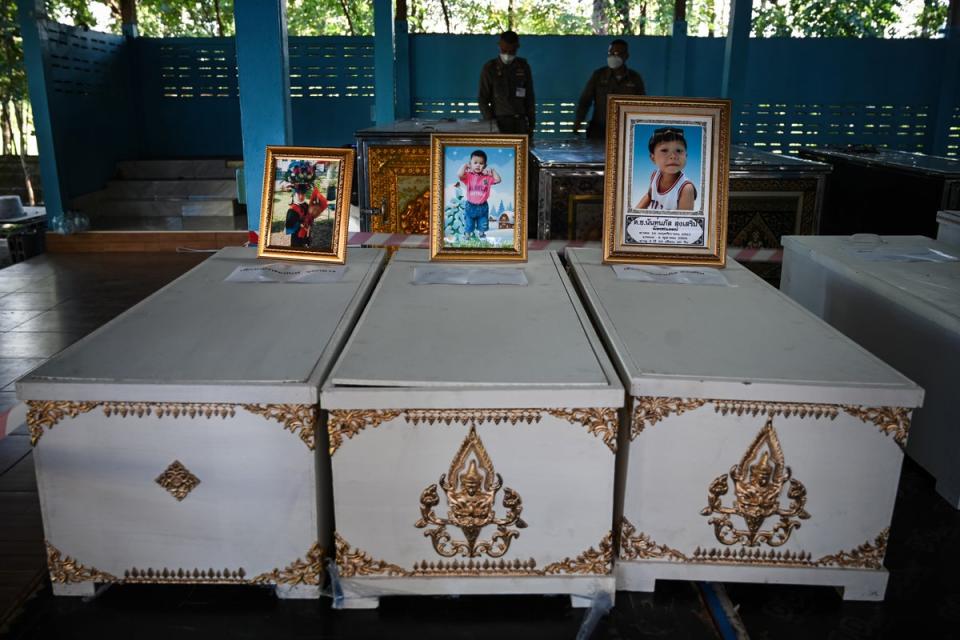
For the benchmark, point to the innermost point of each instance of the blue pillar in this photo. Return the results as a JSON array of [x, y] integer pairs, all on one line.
[[31, 13], [734, 81], [384, 79], [404, 101], [949, 93], [264, 77], [677, 60]]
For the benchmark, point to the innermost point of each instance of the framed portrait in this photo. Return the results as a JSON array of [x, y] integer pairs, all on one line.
[[478, 191], [306, 204], [666, 181]]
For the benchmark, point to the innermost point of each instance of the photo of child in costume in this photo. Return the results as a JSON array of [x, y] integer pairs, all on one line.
[[674, 182], [474, 178], [307, 223]]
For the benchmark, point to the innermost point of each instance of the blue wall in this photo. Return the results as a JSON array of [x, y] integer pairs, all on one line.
[[91, 105], [189, 104], [159, 98]]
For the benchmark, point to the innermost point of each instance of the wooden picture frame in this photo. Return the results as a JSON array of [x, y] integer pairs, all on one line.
[[666, 181], [305, 208], [460, 227]]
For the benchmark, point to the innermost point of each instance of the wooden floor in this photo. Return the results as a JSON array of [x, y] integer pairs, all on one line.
[[46, 304]]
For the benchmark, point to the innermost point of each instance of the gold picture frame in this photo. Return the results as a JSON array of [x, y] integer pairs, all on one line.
[[491, 168], [666, 181], [305, 209]]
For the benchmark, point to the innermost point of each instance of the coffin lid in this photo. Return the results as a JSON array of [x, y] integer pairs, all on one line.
[[473, 345], [200, 339], [745, 342], [929, 289]]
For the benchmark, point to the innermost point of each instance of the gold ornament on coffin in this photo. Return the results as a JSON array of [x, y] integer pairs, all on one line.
[[300, 572], [893, 421], [177, 480], [355, 562], [649, 410], [299, 419], [758, 482], [600, 421], [352, 563], [66, 570], [43, 414], [640, 547], [348, 423], [471, 487]]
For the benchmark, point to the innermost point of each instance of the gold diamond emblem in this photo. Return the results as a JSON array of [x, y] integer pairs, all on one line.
[[178, 480]]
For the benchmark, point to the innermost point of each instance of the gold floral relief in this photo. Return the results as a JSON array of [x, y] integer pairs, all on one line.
[[298, 419], [773, 409], [472, 416], [635, 546], [641, 547], [893, 421], [475, 568], [602, 422], [174, 409], [177, 480], [308, 571], [649, 410], [184, 576], [471, 486], [44, 414], [348, 423], [356, 562], [758, 481], [67, 570], [592, 561]]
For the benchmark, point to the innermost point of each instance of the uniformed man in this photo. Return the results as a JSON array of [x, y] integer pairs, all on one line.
[[506, 89], [613, 79]]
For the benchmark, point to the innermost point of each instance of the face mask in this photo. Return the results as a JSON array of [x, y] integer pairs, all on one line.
[[614, 62], [507, 58]]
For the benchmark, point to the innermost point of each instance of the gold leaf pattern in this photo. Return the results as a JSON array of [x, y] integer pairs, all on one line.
[[472, 416], [351, 422], [307, 571], [355, 562], [45, 414], [602, 422], [177, 480], [890, 420], [66, 570], [174, 409], [299, 419], [591, 561], [772, 409], [649, 410], [641, 547]]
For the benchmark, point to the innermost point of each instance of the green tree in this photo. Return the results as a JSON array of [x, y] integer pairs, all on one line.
[[823, 18]]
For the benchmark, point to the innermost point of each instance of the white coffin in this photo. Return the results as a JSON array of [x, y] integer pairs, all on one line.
[[722, 375], [907, 313], [428, 369], [177, 444], [948, 227]]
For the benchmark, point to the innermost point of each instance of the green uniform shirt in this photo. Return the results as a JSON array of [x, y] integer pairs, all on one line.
[[602, 83], [506, 95]]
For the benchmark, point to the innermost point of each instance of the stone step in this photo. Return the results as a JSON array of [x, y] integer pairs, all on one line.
[[167, 207], [149, 189], [206, 169]]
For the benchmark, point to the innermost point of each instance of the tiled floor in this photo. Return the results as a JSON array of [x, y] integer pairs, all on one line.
[[50, 301], [46, 304]]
